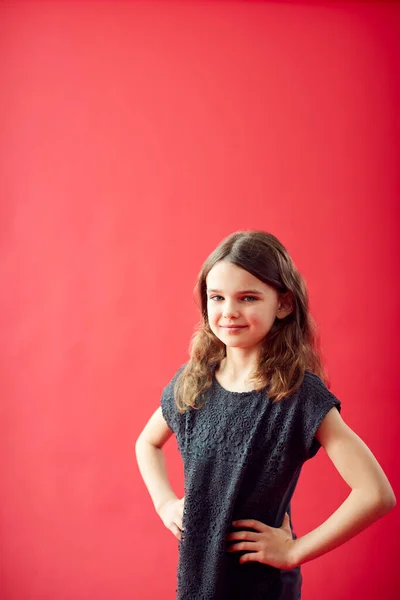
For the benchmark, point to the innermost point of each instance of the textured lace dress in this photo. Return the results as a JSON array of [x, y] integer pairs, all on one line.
[[242, 458]]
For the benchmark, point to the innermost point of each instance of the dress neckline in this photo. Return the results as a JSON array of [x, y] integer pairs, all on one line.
[[232, 392]]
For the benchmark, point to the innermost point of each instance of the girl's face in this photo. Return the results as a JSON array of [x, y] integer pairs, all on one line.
[[241, 308]]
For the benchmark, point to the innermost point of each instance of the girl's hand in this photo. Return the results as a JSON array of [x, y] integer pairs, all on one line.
[[171, 514], [269, 545]]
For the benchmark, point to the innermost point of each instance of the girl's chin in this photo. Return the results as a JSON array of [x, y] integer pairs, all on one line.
[[238, 344]]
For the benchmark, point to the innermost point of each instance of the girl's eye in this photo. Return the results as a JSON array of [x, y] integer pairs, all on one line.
[[245, 298]]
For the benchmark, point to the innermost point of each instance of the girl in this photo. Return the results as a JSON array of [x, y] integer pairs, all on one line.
[[248, 409]]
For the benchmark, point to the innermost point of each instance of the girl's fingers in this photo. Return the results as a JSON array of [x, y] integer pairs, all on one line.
[[242, 546], [251, 524], [249, 536], [251, 557], [181, 508], [176, 531], [286, 522]]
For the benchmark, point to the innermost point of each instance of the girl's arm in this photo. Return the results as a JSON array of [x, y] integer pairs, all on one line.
[[151, 462], [370, 498]]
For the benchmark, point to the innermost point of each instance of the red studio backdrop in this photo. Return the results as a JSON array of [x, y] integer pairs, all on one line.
[[134, 137]]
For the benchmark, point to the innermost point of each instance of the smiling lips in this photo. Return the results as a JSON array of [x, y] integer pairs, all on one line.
[[233, 326]]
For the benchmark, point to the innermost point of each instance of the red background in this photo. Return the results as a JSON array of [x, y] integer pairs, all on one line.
[[134, 137]]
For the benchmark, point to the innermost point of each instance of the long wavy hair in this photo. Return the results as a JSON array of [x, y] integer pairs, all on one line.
[[291, 346]]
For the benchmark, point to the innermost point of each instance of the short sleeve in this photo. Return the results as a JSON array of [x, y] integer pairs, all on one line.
[[316, 401], [172, 416]]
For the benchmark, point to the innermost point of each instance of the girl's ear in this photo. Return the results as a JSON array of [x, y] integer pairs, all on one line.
[[285, 305]]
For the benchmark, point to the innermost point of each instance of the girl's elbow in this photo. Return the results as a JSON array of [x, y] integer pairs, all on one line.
[[138, 442], [386, 502], [389, 500]]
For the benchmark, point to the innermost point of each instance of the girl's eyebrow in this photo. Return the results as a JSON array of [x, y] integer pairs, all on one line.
[[241, 292]]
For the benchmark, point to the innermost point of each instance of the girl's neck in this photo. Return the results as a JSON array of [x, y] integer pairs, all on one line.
[[234, 380], [238, 365]]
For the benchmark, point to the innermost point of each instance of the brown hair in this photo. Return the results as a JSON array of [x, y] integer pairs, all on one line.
[[290, 347]]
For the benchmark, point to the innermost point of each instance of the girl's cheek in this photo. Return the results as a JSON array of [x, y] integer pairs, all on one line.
[[215, 316]]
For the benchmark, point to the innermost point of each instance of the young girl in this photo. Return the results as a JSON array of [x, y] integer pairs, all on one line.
[[248, 409]]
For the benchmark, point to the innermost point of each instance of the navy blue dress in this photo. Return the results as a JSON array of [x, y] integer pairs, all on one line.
[[242, 457]]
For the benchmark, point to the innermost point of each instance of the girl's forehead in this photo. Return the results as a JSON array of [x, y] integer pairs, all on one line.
[[226, 275]]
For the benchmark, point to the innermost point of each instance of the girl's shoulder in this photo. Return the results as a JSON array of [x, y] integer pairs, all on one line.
[[312, 381], [170, 386], [170, 413], [313, 384], [314, 396], [314, 401]]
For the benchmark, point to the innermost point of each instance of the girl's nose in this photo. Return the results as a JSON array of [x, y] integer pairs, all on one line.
[[230, 312]]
